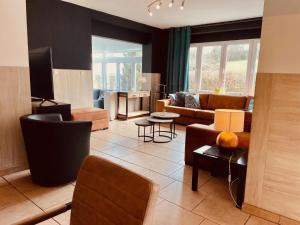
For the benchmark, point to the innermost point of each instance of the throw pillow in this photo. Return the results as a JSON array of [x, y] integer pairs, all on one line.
[[192, 101], [172, 99], [180, 99], [251, 105]]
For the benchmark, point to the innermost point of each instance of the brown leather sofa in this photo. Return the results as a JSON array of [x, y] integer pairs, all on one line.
[[208, 104]]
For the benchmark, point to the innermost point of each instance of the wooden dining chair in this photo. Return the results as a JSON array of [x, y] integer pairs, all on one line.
[[107, 194]]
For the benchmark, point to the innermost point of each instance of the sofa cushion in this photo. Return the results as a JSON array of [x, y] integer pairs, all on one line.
[[172, 99], [192, 101], [226, 102], [180, 99], [181, 111], [203, 98], [205, 114]]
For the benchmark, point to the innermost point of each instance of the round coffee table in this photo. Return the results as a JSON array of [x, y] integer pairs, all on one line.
[[167, 116], [144, 123], [155, 121]]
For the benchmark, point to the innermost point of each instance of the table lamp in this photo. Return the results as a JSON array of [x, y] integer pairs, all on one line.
[[228, 121]]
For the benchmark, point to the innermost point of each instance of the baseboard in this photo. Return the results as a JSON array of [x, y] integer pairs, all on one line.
[[12, 170], [267, 215]]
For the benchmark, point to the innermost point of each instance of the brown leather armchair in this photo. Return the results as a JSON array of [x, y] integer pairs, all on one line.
[[198, 135]]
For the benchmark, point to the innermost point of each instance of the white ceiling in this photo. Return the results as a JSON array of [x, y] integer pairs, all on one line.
[[196, 12]]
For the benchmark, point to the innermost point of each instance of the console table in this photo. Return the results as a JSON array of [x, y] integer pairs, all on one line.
[[133, 95]]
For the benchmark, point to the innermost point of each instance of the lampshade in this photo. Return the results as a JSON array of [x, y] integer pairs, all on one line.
[[229, 120]]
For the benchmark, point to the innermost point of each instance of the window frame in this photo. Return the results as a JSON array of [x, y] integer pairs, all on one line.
[[118, 61], [253, 48]]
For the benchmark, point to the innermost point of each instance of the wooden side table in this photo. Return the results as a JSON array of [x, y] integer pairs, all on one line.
[[238, 163]]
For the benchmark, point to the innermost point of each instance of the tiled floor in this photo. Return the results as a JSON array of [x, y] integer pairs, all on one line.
[[163, 163]]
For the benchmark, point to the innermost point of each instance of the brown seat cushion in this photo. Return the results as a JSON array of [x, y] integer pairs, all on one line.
[[182, 111], [205, 114], [226, 102]]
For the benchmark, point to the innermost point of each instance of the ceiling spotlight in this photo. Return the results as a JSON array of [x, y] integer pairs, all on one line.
[[150, 13], [158, 5], [171, 4], [182, 5]]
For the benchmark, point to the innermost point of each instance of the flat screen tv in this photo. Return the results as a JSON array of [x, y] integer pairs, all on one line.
[[41, 80]]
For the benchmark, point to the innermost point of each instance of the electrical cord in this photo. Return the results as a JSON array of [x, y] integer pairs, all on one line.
[[229, 180]]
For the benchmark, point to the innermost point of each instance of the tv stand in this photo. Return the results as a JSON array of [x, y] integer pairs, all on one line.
[[45, 106], [48, 100]]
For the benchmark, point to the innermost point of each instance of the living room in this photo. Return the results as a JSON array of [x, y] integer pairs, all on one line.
[[175, 112]]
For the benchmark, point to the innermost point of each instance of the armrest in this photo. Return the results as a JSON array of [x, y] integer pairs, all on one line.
[[198, 135], [45, 216], [161, 104]]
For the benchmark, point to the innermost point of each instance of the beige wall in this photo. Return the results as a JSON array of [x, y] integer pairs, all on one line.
[[280, 37], [273, 175], [74, 87], [13, 35], [14, 84]]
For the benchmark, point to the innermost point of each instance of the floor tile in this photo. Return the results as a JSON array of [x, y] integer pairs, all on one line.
[[221, 211], [174, 145], [3, 182], [208, 222], [21, 180], [161, 152], [99, 144], [130, 143], [182, 195], [47, 198], [14, 206], [153, 163], [44, 197], [48, 222], [162, 180], [118, 151], [258, 221], [169, 214], [134, 168], [105, 156], [184, 175], [64, 218], [217, 186]]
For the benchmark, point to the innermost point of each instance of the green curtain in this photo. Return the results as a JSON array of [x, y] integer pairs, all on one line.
[[177, 64]]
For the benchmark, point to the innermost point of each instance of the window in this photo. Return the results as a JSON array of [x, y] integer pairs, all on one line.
[[229, 67], [117, 65], [210, 67]]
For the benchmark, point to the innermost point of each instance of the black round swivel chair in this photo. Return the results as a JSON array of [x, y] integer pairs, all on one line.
[[55, 148]]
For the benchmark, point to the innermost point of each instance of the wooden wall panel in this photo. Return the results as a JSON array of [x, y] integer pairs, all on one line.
[[14, 102], [74, 87], [273, 176]]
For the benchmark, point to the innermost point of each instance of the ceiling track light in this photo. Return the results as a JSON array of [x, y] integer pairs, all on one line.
[[158, 3], [171, 4], [182, 5]]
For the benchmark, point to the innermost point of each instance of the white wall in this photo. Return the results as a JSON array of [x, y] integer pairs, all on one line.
[[13, 34], [280, 41]]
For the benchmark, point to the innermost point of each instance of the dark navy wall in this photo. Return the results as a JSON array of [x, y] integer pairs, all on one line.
[[68, 28]]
